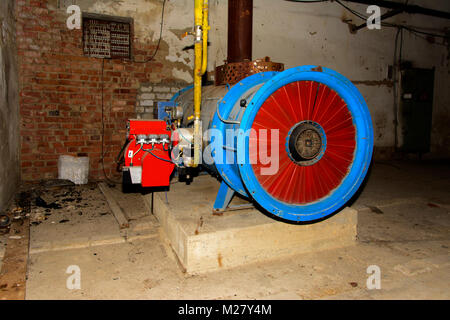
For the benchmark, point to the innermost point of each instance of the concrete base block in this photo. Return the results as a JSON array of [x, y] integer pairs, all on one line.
[[204, 242]]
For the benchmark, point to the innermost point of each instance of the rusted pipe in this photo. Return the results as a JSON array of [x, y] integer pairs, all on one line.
[[240, 27]]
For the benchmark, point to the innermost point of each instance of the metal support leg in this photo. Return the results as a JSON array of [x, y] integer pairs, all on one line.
[[223, 198]]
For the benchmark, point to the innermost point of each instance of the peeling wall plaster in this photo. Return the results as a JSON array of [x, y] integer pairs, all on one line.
[[147, 13], [183, 75]]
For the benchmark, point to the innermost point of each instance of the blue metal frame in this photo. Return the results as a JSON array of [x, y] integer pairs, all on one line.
[[223, 200], [223, 197], [162, 109], [230, 172], [363, 152]]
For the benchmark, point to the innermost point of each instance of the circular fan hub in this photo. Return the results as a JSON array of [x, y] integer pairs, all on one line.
[[306, 143]]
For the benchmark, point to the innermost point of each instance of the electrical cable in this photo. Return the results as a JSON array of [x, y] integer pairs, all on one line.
[[182, 136], [400, 55], [395, 88], [103, 152], [396, 66], [103, 127], [131, 160], [157, 156], [178, 156], [413, 30], [392, 25], [120, 156], [160, 37], [386, 24], [398, 52]]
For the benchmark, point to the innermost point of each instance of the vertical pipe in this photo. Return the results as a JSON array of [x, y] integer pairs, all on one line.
[[205, 29], [198, 17], [240, 27]]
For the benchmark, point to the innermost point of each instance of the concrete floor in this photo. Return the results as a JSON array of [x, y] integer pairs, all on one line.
[[403, 227]]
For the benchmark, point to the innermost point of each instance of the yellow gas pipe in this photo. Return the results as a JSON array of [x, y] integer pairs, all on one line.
[[201, 56], [205, 36]]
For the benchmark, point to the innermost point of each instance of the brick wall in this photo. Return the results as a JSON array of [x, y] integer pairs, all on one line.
[[61, 93], [150, 94]]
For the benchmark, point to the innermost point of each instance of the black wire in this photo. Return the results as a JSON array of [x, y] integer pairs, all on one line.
[[102, 89], [397, 61], [413, 30], [120, 159], [395, 82], [160, 37], [386, 24], [427, 39], [396, 66], [103, 129], [392, 25], [103, 122], [157, 156]]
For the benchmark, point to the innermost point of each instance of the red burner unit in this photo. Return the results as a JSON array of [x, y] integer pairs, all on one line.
[[147, 155]]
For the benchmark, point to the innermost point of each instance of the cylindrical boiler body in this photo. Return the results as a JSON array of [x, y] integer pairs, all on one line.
[[314, 124]]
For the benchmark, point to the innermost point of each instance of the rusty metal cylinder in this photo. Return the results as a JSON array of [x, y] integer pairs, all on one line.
[[240, 30]]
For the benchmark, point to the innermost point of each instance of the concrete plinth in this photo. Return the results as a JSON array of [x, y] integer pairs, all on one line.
[[204, 242]]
